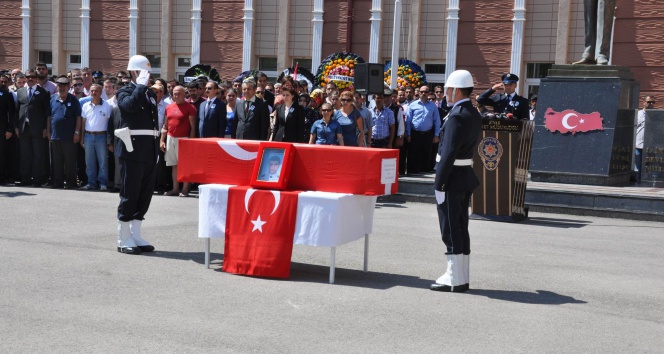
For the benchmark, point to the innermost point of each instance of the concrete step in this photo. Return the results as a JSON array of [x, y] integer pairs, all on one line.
[[636, 202]]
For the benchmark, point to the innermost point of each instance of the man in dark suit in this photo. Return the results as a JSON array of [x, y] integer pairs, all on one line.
[[6, 122], [252, 115], [34, 106], [212, 114], [456, 180], [137, 150], [509, 102]]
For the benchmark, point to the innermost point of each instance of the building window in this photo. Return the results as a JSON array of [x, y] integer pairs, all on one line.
[[435, 74], [304, 63], [268, 66], [535, 72], [155, 63], [46, 58], [73, 61], [183, 64]]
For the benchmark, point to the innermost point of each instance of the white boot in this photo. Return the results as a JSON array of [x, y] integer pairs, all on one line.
[[452, 280], [126, 243], [135, 226], [466, 270]]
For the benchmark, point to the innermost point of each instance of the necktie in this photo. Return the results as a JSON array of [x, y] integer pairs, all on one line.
[[29, 93], [207, 107], [27, 119], [246, 108]]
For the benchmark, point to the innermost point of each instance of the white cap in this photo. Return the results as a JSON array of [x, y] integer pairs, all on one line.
[[139, 62], [460, 79]]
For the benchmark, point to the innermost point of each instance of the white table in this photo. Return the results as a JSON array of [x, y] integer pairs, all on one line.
[[323, 219]]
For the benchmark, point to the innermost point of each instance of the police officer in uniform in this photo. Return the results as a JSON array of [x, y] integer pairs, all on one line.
[[509, 102], [455, 180], [137, 148]]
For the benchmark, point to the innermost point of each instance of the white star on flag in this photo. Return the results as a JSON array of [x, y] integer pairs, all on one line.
[[581, 121], [258, 224]]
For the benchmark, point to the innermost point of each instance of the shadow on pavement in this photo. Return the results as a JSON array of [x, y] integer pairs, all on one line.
[[15, 194], [390, 205], [541, 297], [557, 223], [198, 257], [309, 273]]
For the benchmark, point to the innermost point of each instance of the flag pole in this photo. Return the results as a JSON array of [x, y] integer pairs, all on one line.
[[396, 35]]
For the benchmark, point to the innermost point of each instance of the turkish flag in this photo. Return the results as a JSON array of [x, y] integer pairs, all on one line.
[[260, 226], [229, 161], [571, 121]]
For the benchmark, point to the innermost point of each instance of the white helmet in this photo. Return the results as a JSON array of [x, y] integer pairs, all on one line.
[[139, 62], [460, 79]]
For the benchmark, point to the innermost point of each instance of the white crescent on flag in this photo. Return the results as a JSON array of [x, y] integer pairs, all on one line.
[[233, 149], [565, 118], [250, 192]]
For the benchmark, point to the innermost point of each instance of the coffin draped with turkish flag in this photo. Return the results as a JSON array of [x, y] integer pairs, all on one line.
[[260, 223]]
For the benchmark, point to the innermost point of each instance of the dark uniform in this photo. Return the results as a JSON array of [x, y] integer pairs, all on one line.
[[517, 105], [138, 110], [6, 126], [458, 140]]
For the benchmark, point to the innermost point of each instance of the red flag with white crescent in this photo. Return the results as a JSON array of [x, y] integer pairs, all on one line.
[[260, 226], [295, 72], [570, 121]]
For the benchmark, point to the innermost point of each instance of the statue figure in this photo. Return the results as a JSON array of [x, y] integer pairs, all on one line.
[[598, 15]]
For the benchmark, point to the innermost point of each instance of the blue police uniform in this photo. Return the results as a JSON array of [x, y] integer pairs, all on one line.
[[138, 111], [501, 103]]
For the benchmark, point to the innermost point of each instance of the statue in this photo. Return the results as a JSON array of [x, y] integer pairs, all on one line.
[[598, 15]]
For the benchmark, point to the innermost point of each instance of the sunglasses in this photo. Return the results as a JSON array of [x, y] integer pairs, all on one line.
[[437, 92], [650, 102], [345, 100], [209, 88], [78, 85], [326, 110], [424, 91], [30, 76]]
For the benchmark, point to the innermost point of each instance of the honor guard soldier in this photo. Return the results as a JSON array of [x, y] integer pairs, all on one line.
[[508, 102], [137, 149], [455, 180]]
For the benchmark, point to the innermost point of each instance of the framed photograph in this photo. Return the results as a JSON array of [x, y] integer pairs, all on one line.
[[272, 166]]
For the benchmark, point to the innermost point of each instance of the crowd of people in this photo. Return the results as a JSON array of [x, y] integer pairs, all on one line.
[[59, 131]]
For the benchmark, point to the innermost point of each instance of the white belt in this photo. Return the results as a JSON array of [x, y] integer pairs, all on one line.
[[144, 132], [465, 162]]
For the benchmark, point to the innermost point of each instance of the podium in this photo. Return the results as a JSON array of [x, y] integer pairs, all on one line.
[[501, 164]]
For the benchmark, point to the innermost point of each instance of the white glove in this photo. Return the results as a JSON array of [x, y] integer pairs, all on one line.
[[440, 197], [143, 78]]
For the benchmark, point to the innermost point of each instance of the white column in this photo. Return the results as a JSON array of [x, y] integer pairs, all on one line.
[[85, 34], [248, 31], [396, 35], [133, 27], [517, 36], [374, 42], [25, 56], [452, 34], [562, 31], [317, 47], [196, 32]]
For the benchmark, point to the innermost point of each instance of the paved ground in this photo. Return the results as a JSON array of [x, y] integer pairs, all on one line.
[[552, 284]]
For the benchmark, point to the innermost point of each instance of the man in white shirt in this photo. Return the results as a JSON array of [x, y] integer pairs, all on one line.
[[649, 103], [96, 114]]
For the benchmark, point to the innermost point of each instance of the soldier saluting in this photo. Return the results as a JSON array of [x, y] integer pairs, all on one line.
[[137, 150], [508, 102]]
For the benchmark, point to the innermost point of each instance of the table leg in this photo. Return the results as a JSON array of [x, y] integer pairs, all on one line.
[[207, 253], [366, 253], [333, 252]]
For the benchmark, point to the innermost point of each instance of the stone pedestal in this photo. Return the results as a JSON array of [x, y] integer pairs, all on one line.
[[600, 156], [652, 164]]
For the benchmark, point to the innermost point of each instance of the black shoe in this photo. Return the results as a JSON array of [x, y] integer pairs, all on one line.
[[147, 248], [114, 190], [448, 288], [129, 250]]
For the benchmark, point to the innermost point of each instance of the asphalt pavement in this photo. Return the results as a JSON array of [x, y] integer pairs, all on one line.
[[551, 284]]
